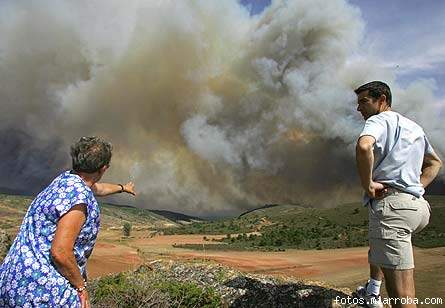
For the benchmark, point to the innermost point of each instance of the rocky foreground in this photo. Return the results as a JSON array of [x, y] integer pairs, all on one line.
[[225, 287]]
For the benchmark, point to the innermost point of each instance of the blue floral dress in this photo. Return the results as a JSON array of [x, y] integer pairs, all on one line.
[[28, 277]]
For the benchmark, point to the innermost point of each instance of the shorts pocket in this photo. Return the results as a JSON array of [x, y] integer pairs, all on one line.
[[382, 233], [403, 205]]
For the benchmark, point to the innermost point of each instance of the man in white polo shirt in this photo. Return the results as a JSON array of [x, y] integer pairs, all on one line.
[[395, 162]]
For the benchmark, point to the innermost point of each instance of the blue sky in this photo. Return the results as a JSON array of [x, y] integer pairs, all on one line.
[[406, 35], [255, 6]]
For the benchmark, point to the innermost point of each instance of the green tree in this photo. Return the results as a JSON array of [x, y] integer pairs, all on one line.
[[127, 228]]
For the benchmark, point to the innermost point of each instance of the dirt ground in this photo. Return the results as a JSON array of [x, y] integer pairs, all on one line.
[[112, 258], [336, 267]]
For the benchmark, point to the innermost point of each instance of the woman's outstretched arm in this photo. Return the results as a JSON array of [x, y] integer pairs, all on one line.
[[105, 189]]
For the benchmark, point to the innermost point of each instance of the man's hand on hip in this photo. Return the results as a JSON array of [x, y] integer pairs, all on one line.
[[376, 190]]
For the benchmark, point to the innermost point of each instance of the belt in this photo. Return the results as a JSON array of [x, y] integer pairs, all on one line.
[[395, 191]]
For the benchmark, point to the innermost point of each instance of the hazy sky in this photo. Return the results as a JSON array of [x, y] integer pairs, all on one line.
[[407, 35]]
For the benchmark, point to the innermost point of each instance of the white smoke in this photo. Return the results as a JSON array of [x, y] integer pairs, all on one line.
[[210, 110]]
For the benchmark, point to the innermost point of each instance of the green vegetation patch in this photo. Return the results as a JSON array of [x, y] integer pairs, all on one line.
[[288, 226], [188, 294], [150, 289]]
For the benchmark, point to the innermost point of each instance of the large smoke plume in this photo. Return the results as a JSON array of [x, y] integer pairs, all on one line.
[[210, 110]]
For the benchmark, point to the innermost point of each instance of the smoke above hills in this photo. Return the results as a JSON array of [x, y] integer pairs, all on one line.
[[210, 110]]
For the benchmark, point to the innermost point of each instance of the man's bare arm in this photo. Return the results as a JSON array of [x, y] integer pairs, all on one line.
[[430, 168], [365, 162], [105, 189]]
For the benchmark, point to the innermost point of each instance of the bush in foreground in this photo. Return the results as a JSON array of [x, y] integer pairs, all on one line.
[[150, 290]]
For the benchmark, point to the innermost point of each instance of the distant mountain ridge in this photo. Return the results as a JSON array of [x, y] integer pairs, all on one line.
[[268, 206], [176, 216]]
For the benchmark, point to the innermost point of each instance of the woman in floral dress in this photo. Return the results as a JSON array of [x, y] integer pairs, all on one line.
[[45, 266]]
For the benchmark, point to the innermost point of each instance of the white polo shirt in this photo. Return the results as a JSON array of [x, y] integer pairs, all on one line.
[[398, 151]]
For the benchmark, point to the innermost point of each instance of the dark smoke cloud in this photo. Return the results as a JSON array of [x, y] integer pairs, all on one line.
[[25, 166], [210, 110]]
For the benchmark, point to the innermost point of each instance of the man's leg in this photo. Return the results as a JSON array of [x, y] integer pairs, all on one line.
[[400, 284], [373, 286], [408, 215], [371, 291], [375, 272]]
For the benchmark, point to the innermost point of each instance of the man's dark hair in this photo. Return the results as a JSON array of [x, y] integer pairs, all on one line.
[[90, 154], [376, 89]]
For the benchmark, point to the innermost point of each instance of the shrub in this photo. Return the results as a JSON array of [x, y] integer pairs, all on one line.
[[109, 285], [127, 229], [188, 294], [117, 291], [149, 289]]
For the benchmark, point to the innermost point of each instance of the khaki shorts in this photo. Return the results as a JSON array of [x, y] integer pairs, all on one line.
[[392, 221]]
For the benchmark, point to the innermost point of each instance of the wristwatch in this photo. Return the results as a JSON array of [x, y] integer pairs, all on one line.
[[122, 188]]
